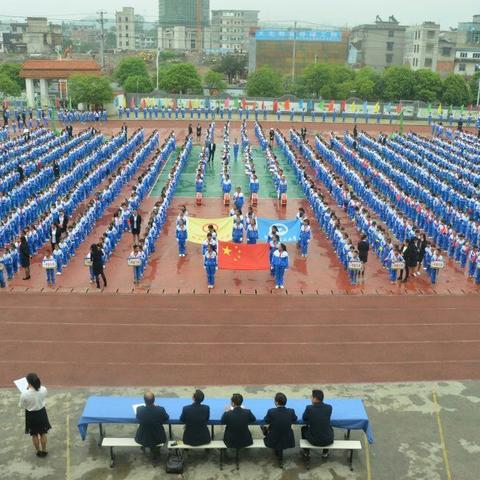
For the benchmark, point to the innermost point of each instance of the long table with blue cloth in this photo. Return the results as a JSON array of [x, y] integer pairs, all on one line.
[[347, 413]]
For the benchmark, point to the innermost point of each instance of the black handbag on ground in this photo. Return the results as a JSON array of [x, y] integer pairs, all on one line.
[[174, 462]]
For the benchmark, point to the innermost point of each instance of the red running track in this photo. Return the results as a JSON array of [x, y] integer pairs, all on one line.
[[111, 340]]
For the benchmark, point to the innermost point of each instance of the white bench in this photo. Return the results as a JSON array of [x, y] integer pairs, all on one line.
[[113, 442], [349, 445], [214, 445]]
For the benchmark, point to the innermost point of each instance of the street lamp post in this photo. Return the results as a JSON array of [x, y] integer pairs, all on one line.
[[157, 64]]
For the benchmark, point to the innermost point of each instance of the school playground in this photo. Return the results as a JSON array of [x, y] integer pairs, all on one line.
[[410, 351]]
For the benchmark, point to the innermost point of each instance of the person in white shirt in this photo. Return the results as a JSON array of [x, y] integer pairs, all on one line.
[[37, 424]]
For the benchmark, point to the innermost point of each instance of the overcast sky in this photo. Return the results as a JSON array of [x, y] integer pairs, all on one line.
[[328, 12]]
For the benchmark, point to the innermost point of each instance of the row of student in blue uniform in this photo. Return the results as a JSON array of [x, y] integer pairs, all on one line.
[[276, 171], [158, 215], [77, 230], [203, 158], [81, 228], [329, 222], [72, 116], [15, 148], [442, 218], [403, 171], [25, 113], [461, 254], [42, 201], [62, 158], [18, 179]]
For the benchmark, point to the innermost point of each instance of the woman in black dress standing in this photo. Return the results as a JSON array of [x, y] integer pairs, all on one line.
[[96, 256], [24, 256], [37, 424]]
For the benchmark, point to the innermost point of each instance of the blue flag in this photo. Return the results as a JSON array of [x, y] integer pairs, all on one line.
[[289, 230]]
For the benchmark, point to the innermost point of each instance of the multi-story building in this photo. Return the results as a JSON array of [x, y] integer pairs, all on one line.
[[290, 51], [421, 46], [467, 55], [183, 38], [40, 36], [378, 45], [447, 41], [231, 29], [125, 23], [183, 13]]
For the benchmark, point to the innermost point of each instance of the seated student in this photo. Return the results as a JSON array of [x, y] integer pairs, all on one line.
[[237, 419], [317, 429], [151, 418], [279, 433], [195, 417]]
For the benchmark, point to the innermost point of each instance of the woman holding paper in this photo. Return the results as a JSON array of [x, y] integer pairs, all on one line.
[[37, 425]]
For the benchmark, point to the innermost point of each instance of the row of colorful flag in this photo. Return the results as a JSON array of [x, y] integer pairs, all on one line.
[[276, 105]]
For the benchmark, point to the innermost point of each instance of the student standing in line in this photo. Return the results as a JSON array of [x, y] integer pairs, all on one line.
[[37, 424], [280, 264], [252, 232], [49, 270], [211, 265], [181, 238], [305, 236], [136, 254], [436, 257], [236, 149]]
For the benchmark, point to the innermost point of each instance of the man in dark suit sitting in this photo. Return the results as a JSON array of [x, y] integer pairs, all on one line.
[[195, 417], [151, 418], [237, 434], [317, 429], [279, 433]]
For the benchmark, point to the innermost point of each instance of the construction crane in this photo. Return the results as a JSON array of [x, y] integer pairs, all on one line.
[[198, 25]]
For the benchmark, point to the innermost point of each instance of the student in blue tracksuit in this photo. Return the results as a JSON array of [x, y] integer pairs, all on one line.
[[436, 257], [2, 277], [252, 232], [472, 261], [236, 149], [237, 232], [210, 264], [394, 257], [181, 239], [48, 270], [58, 256], [273, 242], [280, 264], [305, 236], [238, 199]]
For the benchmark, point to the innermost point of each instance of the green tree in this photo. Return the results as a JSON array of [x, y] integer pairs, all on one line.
[[12, 71], [90, 90], [398, 83], [368, 84], [180, 78], [8, 86], [214, 81], [318, 80], [138, 84], [130, 67], [232, 66], [265, 82], [427, 86], [456, 91], [474, 85]]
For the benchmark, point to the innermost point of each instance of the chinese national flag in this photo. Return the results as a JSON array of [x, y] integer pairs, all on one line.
[[235, 256]]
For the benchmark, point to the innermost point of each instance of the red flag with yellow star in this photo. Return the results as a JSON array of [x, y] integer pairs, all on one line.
[[239, 256]]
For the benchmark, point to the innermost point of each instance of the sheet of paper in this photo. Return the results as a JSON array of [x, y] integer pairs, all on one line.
[[21, 384], [136, 406]]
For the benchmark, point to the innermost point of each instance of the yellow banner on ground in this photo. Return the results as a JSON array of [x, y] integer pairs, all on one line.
[[197, 229]]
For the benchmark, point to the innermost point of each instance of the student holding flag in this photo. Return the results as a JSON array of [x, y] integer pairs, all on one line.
[[211, 265], [252, 232], [280, 264], [136, 254], [49, 265]]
